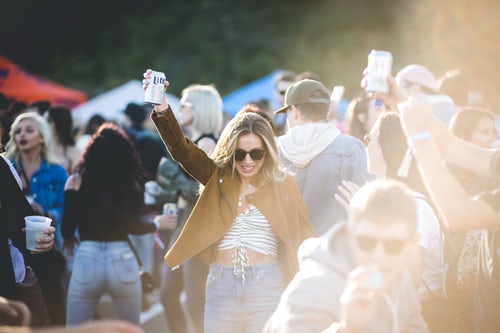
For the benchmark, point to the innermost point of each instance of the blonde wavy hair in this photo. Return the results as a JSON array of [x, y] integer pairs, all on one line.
[[242, 124], [207, 108], [12, 151]]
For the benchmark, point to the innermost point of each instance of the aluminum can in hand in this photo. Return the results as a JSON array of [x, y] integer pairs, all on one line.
[[170, 208], [379, 68], [156, 88]]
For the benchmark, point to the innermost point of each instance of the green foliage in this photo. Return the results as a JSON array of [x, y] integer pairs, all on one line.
[[94, 46]]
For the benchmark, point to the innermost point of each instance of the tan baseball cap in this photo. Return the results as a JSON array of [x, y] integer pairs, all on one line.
[[301, 93]]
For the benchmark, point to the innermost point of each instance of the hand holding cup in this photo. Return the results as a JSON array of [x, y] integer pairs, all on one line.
[[39, 233]]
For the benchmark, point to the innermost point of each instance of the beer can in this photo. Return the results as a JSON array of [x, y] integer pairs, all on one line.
[[156, 88], [170, 208], [379, 68]]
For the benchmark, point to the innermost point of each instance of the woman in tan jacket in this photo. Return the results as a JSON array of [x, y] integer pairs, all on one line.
[[248, 222]]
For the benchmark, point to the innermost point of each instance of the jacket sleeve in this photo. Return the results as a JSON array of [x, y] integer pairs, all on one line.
[[192, 159], [306, 229]]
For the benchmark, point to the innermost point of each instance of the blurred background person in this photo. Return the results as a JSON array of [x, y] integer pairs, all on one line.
[[282, 81], [13, 110], [150, 150], [104, 199], [386, 149], [42, 179], [200, 116], [133, 124], [13, 310], [14, 257], [360, 115], [417, 80], [85, 132], [39, 107], [5, 120], [354, 277], [317, 154], [63, 143], [454, 84], [266, 108], [477, 126]]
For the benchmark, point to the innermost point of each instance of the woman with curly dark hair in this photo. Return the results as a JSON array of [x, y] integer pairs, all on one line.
[[104, 200]]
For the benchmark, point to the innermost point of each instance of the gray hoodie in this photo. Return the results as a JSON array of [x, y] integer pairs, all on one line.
[[311, 301], [321, 158]]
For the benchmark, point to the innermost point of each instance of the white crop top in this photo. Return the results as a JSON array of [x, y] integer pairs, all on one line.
[[250, 229]]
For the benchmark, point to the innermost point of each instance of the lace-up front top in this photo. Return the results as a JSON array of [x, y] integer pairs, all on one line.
[[249, 230]]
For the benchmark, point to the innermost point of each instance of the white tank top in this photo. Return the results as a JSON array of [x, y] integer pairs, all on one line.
[[250, 229]]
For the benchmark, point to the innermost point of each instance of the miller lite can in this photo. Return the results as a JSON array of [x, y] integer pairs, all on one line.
[[379, 68], [156, 88], [169, 208]]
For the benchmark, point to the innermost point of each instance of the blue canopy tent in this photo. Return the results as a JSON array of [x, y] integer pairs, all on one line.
[[262, 88]]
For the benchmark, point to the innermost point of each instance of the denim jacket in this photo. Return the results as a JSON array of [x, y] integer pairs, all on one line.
[[47, 189]]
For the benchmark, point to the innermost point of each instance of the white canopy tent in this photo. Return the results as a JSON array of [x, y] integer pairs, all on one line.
[[112, 103]]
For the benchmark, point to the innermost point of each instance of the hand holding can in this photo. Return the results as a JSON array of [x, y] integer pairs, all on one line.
[[170, 208], [155, 90], [379, 69], [168, 219]]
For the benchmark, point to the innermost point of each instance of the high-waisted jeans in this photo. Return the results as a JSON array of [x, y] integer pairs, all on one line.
[[101, 267], [232, 306]]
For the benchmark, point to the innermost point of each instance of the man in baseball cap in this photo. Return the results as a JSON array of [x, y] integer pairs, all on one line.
[[305, 92], [317, 153]]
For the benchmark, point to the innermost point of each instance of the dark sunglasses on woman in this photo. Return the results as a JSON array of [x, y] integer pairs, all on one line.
[[255, 154]]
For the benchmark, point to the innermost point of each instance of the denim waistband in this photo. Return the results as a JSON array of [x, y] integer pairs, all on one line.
[[104, 245], [252, 270]]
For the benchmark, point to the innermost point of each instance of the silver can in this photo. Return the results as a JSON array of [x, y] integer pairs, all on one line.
[[379, 68], [156, 88], [170, 208]]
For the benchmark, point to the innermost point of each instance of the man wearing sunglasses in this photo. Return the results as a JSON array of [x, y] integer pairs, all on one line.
[[356, 277], [318, 154]]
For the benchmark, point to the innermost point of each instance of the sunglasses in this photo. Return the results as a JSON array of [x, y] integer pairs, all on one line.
[[391, 246], [255, 154]]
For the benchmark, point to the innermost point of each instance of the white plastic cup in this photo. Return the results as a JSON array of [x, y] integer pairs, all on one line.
[[35, 229]]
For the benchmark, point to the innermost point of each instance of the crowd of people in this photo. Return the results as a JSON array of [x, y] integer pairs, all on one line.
[[286, 220]]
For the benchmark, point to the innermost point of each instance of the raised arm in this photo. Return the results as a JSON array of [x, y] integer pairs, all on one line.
[[192, 159], [458, 209]]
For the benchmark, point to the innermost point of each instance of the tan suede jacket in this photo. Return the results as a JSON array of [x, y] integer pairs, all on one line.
[[216, 209]]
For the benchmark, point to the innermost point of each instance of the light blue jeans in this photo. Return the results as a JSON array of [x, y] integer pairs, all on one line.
[[101, 267], [231, 306]]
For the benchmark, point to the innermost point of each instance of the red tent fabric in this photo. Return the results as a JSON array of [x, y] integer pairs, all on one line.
[[20, 86]]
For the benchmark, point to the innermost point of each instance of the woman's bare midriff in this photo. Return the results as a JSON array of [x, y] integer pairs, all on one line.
[[225, 258]]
